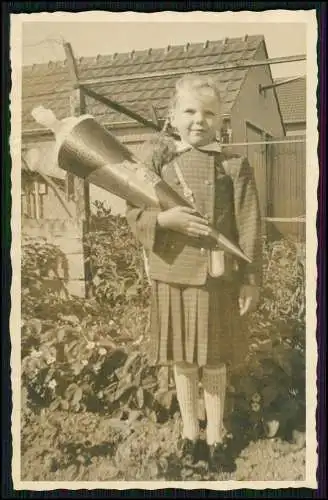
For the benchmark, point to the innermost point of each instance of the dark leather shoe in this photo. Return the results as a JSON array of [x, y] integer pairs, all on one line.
[[188, 450], [220, 459]]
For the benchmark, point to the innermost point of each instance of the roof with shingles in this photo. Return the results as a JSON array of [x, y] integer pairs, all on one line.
[[292, 99], [49, 84]]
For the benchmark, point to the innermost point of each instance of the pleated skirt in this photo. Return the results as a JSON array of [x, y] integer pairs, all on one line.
[[198, 325]]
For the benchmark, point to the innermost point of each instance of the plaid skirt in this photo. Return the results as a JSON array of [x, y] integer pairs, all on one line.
[[198, 325]]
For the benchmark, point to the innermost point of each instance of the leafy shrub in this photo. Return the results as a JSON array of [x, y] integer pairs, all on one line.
[[44, 272], [40, 259], [116, 260], [80, 365], [76, 352], [117, 265], [64, 339], [118, 280], [271, 384]]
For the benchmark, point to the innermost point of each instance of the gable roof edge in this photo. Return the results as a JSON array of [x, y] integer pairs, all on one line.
[[274, 90], [175, 68], [244, 79]]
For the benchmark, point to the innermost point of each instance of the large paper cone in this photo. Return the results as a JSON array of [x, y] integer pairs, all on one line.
[[87, 146], [89, 151]]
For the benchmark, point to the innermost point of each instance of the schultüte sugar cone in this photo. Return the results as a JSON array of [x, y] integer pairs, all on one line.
[[89, 151]]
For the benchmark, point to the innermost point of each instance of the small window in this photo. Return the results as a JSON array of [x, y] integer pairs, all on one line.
[[23, 205], [32, 199], [43, 188], [226, 134], [28, 201]]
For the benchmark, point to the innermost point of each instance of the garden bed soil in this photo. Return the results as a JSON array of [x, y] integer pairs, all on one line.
[[65, 446]]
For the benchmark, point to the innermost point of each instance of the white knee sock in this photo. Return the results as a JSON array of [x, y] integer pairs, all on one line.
[[214, 383], [186, 380]]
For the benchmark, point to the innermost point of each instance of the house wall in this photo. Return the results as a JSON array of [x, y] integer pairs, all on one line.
[[53, 223], [255, 117], [134, 137], [260, 109], [49, 206], [68, 236], [53, 209], [293, 129], [50, 221]]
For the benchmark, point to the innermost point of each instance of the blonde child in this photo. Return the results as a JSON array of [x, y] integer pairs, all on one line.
[[199, 294]]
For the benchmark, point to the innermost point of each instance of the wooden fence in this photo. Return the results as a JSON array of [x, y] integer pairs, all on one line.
[[288, 187], [280, 173]]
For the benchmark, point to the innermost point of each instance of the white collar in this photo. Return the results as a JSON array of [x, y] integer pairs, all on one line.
[[214, 146]]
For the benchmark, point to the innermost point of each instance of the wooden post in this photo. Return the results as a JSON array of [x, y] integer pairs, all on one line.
[[264, 166], [81, 187], [77, 108], [36, 199], [82, 192]]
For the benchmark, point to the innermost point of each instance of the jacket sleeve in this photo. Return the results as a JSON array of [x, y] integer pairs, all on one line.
[[143, 221], [143, 224], [248, 219]]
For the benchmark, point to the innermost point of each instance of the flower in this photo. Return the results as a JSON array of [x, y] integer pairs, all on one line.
[[111, 323], [102, 351], [51, 360], [256, 398], [84, 362], [90, 345], [35, 353], [255, 407], [52, 384], [96, 368]]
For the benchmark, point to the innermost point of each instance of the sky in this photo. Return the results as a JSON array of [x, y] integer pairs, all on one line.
[[42, 40]]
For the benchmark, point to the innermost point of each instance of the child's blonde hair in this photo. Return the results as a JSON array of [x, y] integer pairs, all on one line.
[[194, 82]]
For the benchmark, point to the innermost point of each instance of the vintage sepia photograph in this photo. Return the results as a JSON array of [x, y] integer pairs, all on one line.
[[164, 202]]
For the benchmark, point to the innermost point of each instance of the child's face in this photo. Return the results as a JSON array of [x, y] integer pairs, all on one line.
[[196, 116]]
